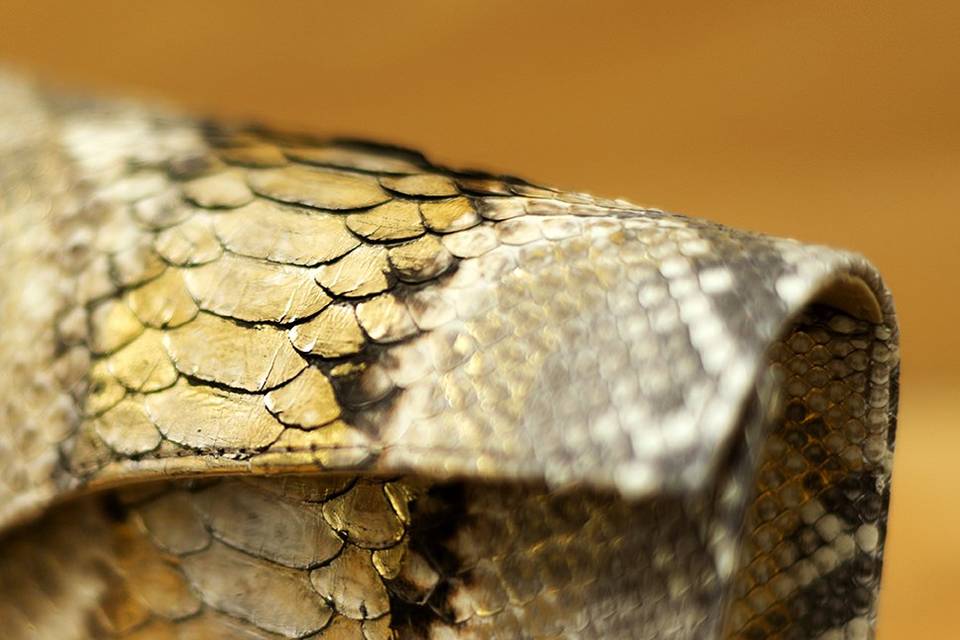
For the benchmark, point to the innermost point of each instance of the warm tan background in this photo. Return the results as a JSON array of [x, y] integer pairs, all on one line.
[[835, 122]]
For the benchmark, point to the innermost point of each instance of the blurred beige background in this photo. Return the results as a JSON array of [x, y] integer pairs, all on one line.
[[834, 122]]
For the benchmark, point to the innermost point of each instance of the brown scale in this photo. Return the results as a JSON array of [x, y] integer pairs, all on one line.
[[287, 558]]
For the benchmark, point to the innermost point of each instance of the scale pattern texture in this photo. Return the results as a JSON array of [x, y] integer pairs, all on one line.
[[274, 386]]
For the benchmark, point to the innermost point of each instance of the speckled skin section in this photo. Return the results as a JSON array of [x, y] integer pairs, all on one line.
[[277, 386]]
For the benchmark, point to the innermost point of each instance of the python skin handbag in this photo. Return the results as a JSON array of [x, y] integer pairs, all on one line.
[[261, 385]]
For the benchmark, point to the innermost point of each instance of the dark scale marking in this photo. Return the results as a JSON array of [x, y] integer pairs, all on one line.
[[893, 406], [114, 508], [831, 600], [435, 518]]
